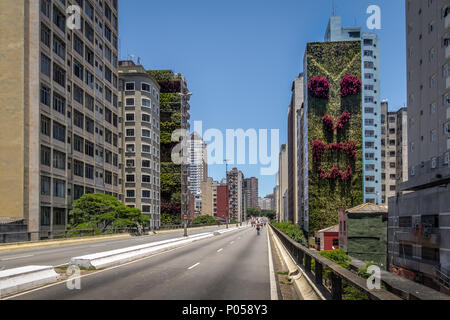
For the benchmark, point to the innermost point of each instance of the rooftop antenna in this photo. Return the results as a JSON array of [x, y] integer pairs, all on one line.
[[333, 8]]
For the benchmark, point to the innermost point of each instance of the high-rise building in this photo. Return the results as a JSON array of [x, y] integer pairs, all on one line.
[[265, 203], [331, 139], [419, 224], [394, 152], [59, 116], [296, 104], [371, 111], [198, 168], [282, 182], [139, 128], [235, 179], [251, 192]]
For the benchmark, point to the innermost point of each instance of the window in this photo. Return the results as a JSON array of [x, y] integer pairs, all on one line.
[[78, 69], [146, 118], [146, 194], [45, 95], [146, 164], [78, 45], [130, 178], [89, 149], [46, 186], [89, 9], [78, 94], [45, 216], [59, 160], [89, 172], [370, 167], [129, 86], [59, 75], [59, 19], [370, 156], [45, 65], [370, 133], [89, 56], [129, 117], [59, 47], [59, 132], [130, 148], [405, 251], [146, 148], [108, 178], [89, 125], [130, 133], [146, 133], [130, 163], [59, 216], [46, 154], [146, 179], [131, 193], [78, 168], [59, 104], [129, 102], [146, 103], [146, 87], [368, 64], [78, 143], [45, 126], [370, 178], [405, 222], [78, 119], [431, 254]]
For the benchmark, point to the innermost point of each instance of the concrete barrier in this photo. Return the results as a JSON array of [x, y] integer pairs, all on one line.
[[120, 256], [24, 278]]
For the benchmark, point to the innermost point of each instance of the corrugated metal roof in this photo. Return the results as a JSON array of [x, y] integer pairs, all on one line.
[[330, 229], [368, 208]]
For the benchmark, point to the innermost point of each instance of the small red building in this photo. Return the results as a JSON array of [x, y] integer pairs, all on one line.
[[222, 202], [327, 239]]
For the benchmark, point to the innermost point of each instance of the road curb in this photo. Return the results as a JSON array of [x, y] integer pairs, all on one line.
[[24, 278], [303, 285]]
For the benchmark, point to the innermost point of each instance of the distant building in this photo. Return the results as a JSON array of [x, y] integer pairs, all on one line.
[[198, 167], [394, 150], [265, 203], [282, 182], [327, 239], [362, 232], [235, 180], [223, 201], [251, 192]]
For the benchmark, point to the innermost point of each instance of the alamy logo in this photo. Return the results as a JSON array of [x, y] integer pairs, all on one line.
[[374, 21], [374, 281], [74, 281], [74, 20]]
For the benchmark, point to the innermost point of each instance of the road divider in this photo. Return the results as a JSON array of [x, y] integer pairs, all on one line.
[[24, 278], [116, 257]]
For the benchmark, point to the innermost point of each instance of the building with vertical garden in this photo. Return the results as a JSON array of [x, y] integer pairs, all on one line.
[[330, 136], [174, 114]]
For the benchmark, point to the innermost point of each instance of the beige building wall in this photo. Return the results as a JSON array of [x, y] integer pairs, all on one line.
[[207, 197], [283, 180], [19, 143]]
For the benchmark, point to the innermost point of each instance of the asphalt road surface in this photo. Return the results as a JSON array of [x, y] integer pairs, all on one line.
[[61, 254], [233, 266]]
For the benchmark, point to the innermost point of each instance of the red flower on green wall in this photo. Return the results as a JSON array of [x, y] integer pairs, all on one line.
[[328, 123], [343, 120], [319, 87], [350, 86]]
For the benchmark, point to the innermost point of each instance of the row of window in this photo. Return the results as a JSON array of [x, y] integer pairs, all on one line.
[[146, 194]]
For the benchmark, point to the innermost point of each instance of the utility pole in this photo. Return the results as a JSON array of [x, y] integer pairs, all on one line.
[[228, 190]]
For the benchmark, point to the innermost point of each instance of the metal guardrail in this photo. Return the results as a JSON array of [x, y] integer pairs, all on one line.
[[73, 234], [304, 256]]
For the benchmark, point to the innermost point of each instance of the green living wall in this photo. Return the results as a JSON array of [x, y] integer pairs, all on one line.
[[334, 130], [170, 117]]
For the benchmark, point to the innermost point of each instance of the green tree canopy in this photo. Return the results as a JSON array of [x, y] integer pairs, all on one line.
[[101, 211], [204, 220]]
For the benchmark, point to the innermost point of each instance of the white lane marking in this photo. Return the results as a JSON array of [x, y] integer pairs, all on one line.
[[98, 245], [17, 257], [273, 286], [231, 242], [220, 250], [195, 265]]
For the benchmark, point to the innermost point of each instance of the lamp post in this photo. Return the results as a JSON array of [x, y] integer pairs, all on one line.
[[184, 97]]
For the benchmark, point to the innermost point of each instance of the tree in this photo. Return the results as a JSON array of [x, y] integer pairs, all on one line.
[[269, 214], [101, 211], [205, 220], [251, 211]]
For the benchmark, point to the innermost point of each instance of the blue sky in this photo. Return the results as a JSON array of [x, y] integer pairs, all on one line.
[[240, 57]]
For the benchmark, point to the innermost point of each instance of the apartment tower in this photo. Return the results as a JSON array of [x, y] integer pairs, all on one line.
[[59, 114], [419, 216], [139, 128]]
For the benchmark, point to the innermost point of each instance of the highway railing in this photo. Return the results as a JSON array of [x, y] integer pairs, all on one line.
[[22, 236], [332, 284]]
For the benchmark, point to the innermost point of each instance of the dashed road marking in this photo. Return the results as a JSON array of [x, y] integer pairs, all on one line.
[[195, 265], [17, 257], [220, 250]]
